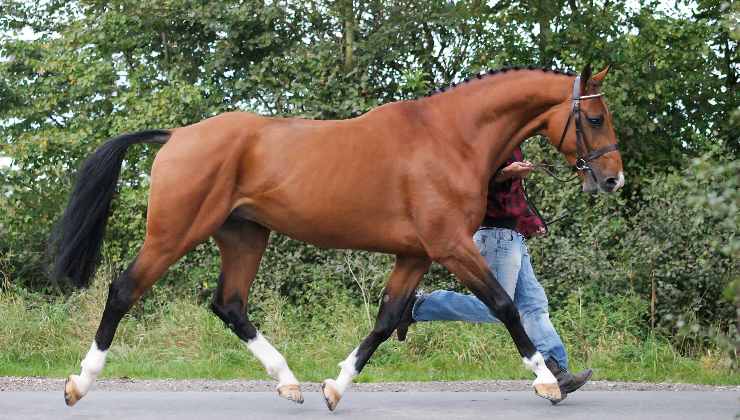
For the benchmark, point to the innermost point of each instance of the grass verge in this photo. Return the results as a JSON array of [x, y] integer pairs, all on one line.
[[180, 339]]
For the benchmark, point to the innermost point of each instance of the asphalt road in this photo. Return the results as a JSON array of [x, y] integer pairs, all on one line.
[[510, 405]]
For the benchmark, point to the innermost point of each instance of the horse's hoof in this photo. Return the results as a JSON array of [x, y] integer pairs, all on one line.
[[331, 395], [291, 392], [549, 391], [71, 393], [563, 395]]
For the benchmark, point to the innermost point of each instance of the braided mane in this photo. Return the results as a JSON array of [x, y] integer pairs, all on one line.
[[493, 72]]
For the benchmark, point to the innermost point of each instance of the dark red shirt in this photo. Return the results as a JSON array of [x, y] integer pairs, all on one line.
[[507, 204]]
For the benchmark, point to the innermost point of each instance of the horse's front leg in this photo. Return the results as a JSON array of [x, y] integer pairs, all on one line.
[[459, 254], [406, 275]]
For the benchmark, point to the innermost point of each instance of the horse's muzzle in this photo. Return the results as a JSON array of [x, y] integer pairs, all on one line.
[[612, 184]]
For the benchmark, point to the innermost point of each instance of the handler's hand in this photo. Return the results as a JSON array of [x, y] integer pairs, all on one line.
[[515, 170]]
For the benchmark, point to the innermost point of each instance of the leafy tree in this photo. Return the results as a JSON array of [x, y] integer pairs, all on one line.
[[93, 69]]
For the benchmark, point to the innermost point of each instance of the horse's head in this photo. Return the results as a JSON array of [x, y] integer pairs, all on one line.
[[581, 129]]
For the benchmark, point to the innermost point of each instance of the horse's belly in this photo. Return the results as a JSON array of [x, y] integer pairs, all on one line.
[[339, 230], [380, 239]]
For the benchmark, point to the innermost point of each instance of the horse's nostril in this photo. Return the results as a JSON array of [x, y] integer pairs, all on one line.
[[611, 183]]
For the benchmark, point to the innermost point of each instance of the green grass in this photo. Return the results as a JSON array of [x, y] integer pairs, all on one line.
[[181, 339]]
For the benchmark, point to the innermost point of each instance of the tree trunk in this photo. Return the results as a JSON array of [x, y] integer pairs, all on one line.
[[544, 13], [348, 16]]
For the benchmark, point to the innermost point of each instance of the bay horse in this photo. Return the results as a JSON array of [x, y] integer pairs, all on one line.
[[407, 178]]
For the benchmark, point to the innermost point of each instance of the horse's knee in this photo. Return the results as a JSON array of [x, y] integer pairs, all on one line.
[[385, 325], [389, 316]]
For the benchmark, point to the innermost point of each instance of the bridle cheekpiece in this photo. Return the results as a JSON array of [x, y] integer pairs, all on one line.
[[583, 149]]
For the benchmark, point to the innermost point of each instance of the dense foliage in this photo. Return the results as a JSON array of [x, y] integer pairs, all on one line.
[[73, 73]]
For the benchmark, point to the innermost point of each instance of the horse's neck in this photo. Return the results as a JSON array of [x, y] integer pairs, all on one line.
[[495, 115]]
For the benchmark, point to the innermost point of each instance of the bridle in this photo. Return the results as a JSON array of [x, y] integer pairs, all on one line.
[[583, 149]]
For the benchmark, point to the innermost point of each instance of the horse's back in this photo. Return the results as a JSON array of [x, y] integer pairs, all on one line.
[[330, 183]]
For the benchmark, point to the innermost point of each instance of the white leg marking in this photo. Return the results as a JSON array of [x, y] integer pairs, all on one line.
[[272, 360], [537, 365], [92, 365], [348, 372]]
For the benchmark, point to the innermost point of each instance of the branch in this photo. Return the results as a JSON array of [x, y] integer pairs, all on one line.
[[164, 47], [264, 102], [502, 5], [573, 6], [731, 75], [57, 123]]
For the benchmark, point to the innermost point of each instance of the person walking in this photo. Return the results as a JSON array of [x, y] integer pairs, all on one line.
[[501, 239]]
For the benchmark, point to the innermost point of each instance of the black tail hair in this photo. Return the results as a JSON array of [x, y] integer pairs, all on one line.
[[75, 242]]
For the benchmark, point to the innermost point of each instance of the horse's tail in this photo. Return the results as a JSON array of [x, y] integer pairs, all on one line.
[[75, 242]]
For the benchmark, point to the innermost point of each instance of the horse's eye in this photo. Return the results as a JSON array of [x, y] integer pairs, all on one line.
[[596, 121]]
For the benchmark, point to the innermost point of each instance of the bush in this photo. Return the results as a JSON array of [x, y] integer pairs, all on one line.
[[670, 239]]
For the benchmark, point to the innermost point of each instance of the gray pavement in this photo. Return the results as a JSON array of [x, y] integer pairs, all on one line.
[[511, 405]]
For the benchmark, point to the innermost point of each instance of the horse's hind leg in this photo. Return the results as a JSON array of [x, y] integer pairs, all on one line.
[[242, 244], [180, 216], [124, 291], [406, 275]]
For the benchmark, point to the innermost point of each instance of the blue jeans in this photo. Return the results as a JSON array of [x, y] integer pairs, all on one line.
[[508, 256]]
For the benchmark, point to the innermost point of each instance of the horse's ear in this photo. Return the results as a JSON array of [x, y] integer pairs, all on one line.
[[599, 77], [585, 76]]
